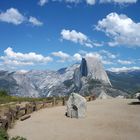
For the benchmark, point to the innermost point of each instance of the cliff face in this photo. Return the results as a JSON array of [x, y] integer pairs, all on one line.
[[83, 67], [92, 68], [86, 78]]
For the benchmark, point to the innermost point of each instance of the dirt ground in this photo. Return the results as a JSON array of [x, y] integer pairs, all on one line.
[[110, 119]]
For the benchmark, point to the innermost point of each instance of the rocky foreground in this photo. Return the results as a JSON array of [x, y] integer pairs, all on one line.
[[110, 119]]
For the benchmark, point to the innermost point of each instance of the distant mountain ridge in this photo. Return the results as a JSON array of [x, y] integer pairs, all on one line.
[[86, 78], [127, 81]]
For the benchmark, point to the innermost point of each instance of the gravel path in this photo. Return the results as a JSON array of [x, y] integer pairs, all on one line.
[[112, 119]]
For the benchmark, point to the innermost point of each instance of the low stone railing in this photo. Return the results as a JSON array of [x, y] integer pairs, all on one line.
[[23, 112]]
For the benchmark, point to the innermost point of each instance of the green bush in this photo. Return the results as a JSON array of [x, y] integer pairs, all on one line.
[[3, 93], [18, 138], [5, 98], [3, 135]]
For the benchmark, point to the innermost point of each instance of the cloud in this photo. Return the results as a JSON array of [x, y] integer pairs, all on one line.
[[17, 63], [124, 69], [109, 58], [91, 2], [42, 2], [63, 56], [121, 29], [35, 21], [106, 57], [108, 54], [118, 1], [125, 62], [72, 1], [23, 59], [78, 37], [74, 36], [77, 57], [94, 55], [66, 57], [13, 16], [97, 55]]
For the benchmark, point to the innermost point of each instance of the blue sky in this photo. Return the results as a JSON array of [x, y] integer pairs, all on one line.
[[41, 34]]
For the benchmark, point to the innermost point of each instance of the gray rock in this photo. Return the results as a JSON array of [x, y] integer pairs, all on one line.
[[103, 95], [76, 106], [96, 70], [138, 96], [86, 78], [83, 67]]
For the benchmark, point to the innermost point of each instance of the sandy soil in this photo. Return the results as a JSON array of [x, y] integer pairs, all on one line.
[[112, 119]]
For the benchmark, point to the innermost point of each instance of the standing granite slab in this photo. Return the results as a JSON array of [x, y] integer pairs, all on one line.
[[76, 106]]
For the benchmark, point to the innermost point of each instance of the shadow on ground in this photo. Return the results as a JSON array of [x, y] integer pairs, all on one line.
[[134, 103]]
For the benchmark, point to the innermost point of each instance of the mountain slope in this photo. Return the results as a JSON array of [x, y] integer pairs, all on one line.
[[86, 78], [96, 70], [128, 81]]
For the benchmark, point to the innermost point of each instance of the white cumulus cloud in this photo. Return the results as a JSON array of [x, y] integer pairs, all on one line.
[[94, 55], [119, 1], [42, 2], [121, 29], [74, 36], [123, 69], [63, 56], [13, 16], [78, 37], [97, 55], [23, 59], [108, 54], [35, 21], [77, 57], [72, 1], [91, 2], [106, 57], [125, 62]]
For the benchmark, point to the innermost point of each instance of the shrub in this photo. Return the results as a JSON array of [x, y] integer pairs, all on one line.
[[18, 138], [3, 93], [3, 135]]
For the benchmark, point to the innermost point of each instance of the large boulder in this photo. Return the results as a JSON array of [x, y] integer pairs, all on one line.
[[76, 106], [138, 96]]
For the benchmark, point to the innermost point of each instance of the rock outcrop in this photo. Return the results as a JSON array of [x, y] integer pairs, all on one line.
[[96, 70], [83, 67], [86, 78], [138, 96], [103, 95], [76, 106]]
